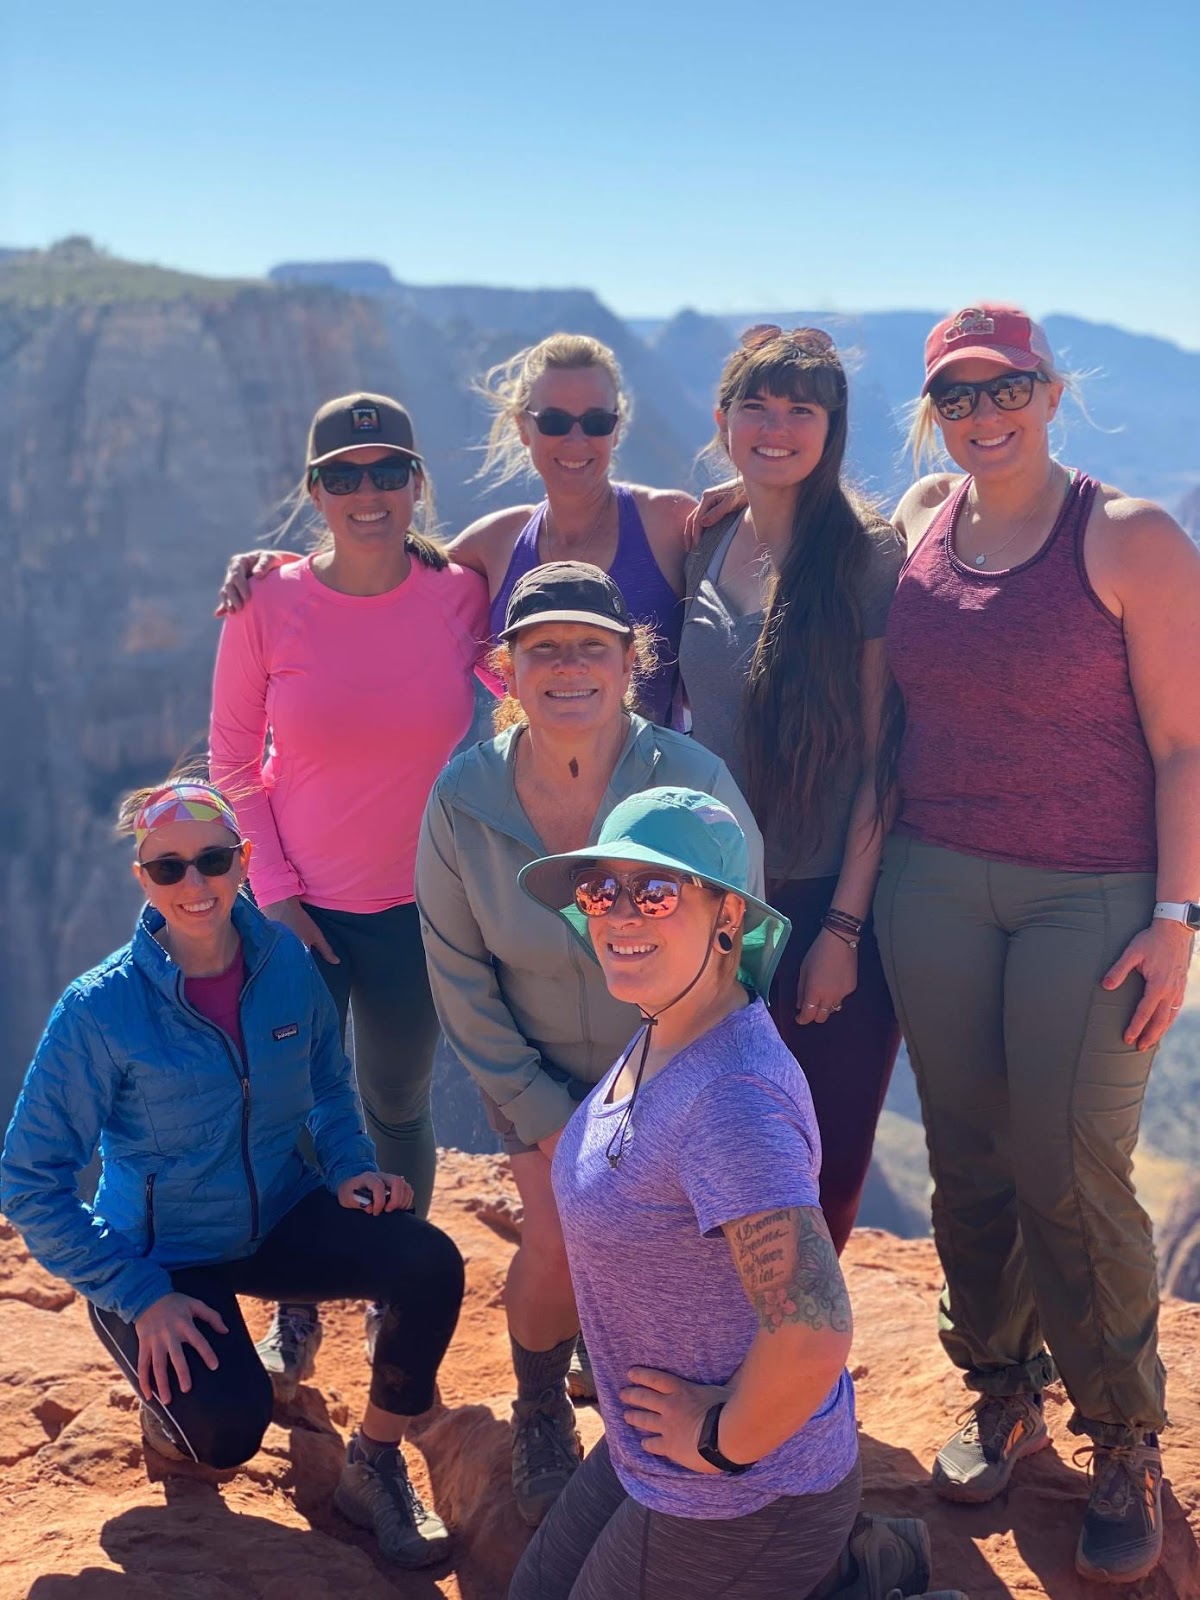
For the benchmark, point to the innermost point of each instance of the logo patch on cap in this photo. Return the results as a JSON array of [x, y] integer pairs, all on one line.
[[969, 322], [364, 419], [715, 813]]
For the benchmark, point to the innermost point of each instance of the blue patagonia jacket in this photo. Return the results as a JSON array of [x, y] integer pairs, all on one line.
[[198, 1150]]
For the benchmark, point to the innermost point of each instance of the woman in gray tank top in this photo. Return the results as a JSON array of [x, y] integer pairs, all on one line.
[[782, 664]]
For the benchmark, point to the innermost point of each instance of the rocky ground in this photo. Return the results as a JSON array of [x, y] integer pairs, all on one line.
[[85, 1516]]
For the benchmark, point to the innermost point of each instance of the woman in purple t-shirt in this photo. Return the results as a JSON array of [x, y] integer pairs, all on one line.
[[709, 1291]]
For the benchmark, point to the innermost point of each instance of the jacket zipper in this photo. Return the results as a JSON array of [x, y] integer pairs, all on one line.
[[243, 1077], [150, 1176]]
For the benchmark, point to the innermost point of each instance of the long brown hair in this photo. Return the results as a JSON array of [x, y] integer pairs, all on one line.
[[803, 709]]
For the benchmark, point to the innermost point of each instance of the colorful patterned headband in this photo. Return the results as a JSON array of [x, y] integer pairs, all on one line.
[[184, 802]]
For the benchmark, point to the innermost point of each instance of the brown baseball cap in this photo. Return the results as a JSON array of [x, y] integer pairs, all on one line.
[[354, 420]]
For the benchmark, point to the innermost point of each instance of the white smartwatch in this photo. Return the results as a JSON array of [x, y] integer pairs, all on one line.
[[1185, 911]]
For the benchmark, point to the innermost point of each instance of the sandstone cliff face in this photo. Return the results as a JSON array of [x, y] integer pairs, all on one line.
[[142, 440], [139, 443], [89, 1517]]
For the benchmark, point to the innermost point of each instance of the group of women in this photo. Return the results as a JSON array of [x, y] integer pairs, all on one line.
[[965, 775]]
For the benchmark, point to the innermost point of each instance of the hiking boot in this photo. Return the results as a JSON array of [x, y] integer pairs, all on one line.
[[379, 1495], [883, 1557], [546, 1451], [976, 1463], [158, 1438], [288, 1349], [581, 1382], [372, 1322], [1121, 1538]]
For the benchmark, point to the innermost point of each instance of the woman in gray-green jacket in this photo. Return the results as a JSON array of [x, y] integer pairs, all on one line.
[[527, 1013]]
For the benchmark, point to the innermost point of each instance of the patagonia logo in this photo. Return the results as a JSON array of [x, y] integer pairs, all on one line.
[[288, 1032], [968, 322], [364, 419]]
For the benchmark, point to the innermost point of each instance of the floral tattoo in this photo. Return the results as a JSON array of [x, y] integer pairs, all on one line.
[[789, 1269]]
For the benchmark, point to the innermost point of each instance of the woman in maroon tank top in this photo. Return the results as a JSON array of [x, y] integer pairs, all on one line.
[[1035, 911]]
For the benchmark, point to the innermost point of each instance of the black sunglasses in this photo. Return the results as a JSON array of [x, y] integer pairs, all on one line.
[[213, 862], [344, 477], [556, 423], [652, 894], [1011, 391]]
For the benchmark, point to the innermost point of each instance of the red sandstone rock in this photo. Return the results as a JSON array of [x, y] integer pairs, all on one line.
[[84, 1516]]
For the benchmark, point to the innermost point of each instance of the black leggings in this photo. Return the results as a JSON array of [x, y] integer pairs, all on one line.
[[320, 1251], [599, 1543], [381, 978], [847, 1059]]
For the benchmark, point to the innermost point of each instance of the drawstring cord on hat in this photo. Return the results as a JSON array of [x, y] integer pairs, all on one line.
[[616, 1145]]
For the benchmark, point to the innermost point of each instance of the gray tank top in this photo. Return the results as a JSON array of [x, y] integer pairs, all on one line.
[[715, 651]]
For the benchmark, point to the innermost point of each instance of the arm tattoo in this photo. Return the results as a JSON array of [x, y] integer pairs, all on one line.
[[789, 1269]]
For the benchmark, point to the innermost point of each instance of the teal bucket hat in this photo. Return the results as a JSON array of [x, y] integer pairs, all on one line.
[[682, 831]]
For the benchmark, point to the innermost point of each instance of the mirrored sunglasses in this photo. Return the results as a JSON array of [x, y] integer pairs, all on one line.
[[651, 893], [1011, 391]]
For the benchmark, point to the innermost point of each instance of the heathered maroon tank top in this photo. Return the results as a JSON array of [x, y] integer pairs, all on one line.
[[1022, 740]]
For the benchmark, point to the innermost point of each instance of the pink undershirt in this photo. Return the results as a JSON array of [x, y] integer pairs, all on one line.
[[365, 697]]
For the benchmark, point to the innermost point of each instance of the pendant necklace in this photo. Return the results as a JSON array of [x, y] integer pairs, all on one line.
[[987, 555], [586, 542]]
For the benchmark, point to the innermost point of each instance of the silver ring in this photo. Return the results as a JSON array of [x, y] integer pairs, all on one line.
[[811, 1005], [1179, 1007], [823, 1008]]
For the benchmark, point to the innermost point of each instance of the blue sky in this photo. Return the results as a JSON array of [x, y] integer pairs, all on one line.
[[728, 156]]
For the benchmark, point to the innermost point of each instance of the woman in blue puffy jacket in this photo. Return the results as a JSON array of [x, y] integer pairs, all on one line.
[[193, 1057]]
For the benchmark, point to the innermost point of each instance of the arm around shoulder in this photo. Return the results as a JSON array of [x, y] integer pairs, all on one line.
[[919, 504]]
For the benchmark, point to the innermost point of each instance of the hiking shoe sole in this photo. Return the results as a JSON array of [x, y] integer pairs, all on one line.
[[968, 1494]]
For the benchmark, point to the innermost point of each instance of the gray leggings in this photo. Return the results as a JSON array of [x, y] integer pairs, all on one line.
[[381, 978], [598, 1543], [1031, 1100]]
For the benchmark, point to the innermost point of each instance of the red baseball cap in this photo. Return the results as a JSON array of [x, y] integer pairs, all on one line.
[[987, 332]]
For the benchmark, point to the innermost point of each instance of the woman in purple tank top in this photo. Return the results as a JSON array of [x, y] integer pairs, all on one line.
[[558, 410], [558, 413], [1035, 912]]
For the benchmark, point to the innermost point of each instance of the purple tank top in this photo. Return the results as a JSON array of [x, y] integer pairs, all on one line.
[[1022, 738], [638, 575]]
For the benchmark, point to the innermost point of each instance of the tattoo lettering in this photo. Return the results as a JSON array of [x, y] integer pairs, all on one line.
[[789, 1269]]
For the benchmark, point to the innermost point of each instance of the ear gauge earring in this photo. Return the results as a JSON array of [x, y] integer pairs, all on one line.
[[724, 942]]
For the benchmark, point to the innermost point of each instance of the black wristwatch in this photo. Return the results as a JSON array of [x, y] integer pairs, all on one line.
[[707, 1445]]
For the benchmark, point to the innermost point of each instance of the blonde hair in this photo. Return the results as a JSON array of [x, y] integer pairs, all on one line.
[[924, 439], [506, 388], [510, 713]]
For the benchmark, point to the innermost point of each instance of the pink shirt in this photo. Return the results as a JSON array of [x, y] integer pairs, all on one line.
[[364, 698]]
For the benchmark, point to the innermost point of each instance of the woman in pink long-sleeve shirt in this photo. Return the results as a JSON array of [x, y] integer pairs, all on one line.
[[353, 669]]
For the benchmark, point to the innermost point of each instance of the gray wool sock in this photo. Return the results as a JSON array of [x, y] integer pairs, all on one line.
[[542, 1372]]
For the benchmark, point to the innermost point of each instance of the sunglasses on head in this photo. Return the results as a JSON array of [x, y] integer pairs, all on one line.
[[556, 423], [213, 862], [810, 341], [651, 893], [344, 477], [1011, 391]]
